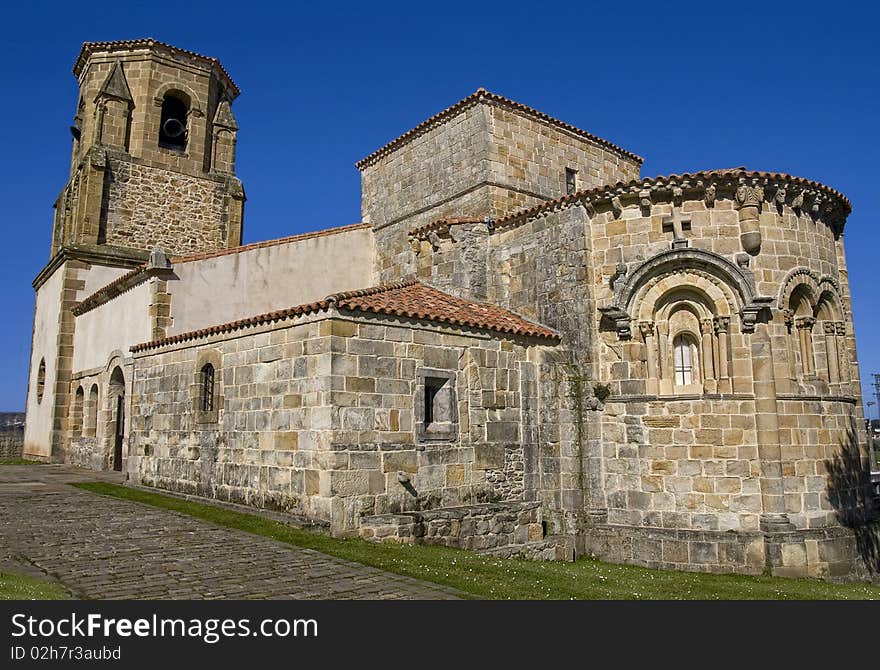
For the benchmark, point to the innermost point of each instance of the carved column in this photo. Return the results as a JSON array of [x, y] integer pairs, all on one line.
[[647, 330], [843, 368], [663, 336], [791, 345], [831, 351], [805, 339], [748, 200], [707, 329], [722, 328]]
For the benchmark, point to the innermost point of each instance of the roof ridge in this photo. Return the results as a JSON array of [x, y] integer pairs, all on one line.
[[372, 290], [481, 94]]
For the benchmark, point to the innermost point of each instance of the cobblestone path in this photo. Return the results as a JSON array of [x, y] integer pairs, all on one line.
[[106, 548]]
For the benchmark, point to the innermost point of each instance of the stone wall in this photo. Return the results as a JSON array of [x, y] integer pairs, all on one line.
[[148, 207], [321, 418], [475, 527], [11, 434], [486, 160]]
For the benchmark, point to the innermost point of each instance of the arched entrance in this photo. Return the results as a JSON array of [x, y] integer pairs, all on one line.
[[117, 406]]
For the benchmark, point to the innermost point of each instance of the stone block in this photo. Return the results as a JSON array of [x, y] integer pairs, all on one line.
[[400, 461], [287, 441], [488, 456]]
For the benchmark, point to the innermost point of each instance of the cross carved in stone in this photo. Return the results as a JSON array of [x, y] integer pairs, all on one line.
[[677, 224]]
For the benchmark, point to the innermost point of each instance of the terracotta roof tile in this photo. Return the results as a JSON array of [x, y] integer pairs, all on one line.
[[116, 287], [89, 47], [408, 298], [482, 95], [609, 190]]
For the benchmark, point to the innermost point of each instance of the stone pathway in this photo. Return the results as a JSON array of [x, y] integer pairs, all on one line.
[[106, 548]]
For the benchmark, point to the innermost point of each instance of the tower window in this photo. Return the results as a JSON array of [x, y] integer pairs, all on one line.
[[207, 403], [570, 180], [172, 126]]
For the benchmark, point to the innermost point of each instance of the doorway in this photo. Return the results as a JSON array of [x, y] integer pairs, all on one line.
[[117, 392]]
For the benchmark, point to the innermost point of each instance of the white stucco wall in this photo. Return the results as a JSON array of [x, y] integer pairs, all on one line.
[[38, 424], [235, 286], [114, 326], [98, 277]]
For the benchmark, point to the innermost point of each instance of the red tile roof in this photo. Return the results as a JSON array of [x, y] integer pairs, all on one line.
[[90, 47], [609, 190], [412, 299], [482, 95], [408, 298]]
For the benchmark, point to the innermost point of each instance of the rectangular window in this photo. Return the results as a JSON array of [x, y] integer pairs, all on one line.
[[570, 180], [436, 412]]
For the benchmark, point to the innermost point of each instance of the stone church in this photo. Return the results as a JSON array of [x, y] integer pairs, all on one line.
[[524, 348]]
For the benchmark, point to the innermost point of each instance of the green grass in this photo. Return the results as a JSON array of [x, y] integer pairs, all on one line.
[[20, 587], [20, 461], [487, 577]]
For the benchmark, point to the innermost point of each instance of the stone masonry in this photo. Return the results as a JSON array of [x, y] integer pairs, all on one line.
[[539, 353]]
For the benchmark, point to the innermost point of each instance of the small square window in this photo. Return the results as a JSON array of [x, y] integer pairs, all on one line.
[[570, 180], [436, 411]]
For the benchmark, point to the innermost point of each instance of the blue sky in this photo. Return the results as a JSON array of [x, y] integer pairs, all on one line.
[[787, 87]]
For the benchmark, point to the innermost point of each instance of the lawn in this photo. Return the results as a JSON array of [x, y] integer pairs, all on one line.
[[488, 577], [20, 587], [20, 461]]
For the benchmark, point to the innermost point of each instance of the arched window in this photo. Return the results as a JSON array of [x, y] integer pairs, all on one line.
[[207, 388], [172, 126], [41, 379], [77, 419], [91, 422], [684, 359]]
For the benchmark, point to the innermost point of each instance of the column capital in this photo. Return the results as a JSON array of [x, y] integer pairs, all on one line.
[[840, 327], [646, 328], [722, 324], [829, 327], [707, 326], [805, 322]]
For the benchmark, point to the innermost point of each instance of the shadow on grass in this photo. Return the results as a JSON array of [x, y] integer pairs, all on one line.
[[852, 495]]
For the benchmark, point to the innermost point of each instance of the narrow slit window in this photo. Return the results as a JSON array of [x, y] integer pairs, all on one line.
[[207, 404], [432, 390], [570, 180]]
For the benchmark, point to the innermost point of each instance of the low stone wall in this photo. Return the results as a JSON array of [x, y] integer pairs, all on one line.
[[85, 452], [11, 442], [830, 553], [477, 527], [678, 549], [11, 434]]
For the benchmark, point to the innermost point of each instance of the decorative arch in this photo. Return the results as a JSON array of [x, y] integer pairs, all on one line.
[[737, 279], [811, 303], [684, 319], [193, 101]]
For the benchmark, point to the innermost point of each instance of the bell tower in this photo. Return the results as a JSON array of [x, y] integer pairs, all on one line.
[[153, 160], [152, 167]]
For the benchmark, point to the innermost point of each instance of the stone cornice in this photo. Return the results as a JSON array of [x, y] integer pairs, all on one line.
[[768, 188], [96, 254]]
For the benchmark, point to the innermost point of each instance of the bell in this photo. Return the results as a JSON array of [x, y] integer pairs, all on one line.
[[173, 128]]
